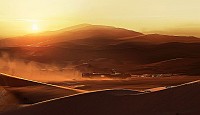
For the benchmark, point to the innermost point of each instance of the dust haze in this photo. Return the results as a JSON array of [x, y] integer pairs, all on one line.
[[36, 71]]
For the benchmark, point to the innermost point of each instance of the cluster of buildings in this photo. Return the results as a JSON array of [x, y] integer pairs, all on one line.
[[121, 75]]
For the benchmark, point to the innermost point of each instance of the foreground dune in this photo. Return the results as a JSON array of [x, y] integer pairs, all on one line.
[[183, 99], [15, 92], [136, 83]]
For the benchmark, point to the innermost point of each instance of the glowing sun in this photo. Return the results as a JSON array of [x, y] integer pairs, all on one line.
[[35, 27]]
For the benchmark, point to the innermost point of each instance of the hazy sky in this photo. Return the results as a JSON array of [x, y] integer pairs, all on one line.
[[181, 17]]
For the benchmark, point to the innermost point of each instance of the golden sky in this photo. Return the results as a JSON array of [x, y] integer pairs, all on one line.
[[180, 17]]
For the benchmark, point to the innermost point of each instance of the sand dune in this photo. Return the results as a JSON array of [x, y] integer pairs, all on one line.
[[13, 81], [179, 100], [17, 91], [189, 66], [136, 83]]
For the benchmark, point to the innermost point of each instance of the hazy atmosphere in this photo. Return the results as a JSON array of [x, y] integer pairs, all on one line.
[[177, 17], [99, 57]]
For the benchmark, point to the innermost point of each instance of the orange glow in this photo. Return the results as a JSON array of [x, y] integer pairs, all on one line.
[[148, 16]]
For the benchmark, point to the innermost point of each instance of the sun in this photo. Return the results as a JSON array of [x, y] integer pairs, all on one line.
[[35, 27]]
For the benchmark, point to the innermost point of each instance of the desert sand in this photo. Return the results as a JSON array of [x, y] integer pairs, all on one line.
[[183, 99], [19, 92], [37, 98]]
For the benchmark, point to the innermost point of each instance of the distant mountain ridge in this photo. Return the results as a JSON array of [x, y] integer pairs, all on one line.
[[71, 33], [90, 32], [96, 48]]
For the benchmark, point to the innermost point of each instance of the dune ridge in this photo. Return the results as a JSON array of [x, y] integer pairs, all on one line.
[[7, 82]]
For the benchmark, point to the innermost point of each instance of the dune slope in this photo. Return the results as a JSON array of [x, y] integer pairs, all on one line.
[[174, 101], [29, 92]]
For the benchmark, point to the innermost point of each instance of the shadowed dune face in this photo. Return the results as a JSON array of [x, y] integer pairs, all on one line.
[[179, 100], [7, 100], [35, 94], [137, 83]]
